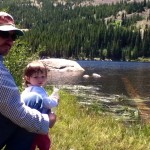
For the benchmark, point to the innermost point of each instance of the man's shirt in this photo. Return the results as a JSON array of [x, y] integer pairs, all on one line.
[[14, 109]]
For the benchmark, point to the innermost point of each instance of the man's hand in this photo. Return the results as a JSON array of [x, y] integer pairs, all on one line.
[[52, 119]]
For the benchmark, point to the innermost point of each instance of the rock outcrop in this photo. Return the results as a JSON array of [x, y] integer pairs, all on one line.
[[62, 65]]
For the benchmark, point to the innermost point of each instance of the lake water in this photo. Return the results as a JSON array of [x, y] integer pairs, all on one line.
[[120, 83], [115, 74], [131, 79]]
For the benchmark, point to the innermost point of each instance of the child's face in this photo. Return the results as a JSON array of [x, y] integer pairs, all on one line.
[[37, 79]]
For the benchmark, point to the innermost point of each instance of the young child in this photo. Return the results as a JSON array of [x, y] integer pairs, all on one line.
[[35, 77]]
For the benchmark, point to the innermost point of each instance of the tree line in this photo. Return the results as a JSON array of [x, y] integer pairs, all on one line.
[[81, 32]]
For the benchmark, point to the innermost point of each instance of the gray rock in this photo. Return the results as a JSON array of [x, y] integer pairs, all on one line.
[[62, 65]]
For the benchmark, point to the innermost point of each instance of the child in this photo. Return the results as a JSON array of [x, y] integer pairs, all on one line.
[[35, 76]]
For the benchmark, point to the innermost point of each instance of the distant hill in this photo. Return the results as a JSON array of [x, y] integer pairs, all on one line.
[[80, 29], [140, 24], [98, 2]]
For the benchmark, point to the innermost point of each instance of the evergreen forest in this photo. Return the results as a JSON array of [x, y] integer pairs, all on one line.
[[70, 30]]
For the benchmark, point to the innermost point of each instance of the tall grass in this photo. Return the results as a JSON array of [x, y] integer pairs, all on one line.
[[77, 128]]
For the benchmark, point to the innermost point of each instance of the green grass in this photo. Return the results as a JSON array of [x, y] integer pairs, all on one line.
[[78, 128]]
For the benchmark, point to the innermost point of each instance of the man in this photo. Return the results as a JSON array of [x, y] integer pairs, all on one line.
[[14, 113]]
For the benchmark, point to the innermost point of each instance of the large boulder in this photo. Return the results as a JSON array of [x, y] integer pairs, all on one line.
[[62, 65]]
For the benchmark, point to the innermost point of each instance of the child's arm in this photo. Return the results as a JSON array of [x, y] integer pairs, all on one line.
[[55, 93], [52, 100], [48, 101]]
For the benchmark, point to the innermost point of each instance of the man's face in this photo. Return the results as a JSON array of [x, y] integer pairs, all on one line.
[[6, 41]]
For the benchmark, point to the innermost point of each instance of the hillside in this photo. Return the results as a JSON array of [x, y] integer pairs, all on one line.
[[99, 2], [77, 31], [140, 24]]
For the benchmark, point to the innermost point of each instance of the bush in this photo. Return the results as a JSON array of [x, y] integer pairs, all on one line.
[[19, 56]]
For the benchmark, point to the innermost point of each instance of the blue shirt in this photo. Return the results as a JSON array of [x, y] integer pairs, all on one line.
[[48, 101], [14, 109]]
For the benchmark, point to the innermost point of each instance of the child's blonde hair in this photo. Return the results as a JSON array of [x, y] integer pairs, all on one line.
[[34, 67]]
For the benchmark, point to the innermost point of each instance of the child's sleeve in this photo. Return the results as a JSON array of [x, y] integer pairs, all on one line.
[[50, 102]]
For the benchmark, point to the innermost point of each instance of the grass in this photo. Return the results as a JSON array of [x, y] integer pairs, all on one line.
[[78, 128]]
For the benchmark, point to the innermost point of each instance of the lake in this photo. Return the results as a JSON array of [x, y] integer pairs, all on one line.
[[114, 92], [131, 79]]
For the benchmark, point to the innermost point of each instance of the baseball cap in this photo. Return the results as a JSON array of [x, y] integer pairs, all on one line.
[[7, 24]]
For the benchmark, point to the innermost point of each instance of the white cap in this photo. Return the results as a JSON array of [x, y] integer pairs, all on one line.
[[7, 23]]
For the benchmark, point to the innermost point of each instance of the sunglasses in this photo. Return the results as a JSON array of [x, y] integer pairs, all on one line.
[[6, 34]]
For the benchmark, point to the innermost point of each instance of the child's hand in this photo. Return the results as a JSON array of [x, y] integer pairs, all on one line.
[[55, 93]]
